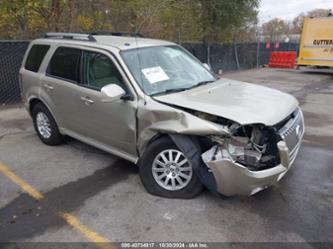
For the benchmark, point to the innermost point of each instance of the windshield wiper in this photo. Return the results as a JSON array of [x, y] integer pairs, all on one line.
[[172, 90], [203, 83]]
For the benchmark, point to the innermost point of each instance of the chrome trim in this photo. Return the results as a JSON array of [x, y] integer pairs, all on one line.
[[292, 133], [73, 36]]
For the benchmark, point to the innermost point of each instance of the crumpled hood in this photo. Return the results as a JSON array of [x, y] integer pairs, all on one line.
[[241, 102]]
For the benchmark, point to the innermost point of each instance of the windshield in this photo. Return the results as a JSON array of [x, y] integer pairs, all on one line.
[[164, 69]]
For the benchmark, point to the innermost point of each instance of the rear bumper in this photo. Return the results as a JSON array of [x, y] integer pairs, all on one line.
[[233, 178]]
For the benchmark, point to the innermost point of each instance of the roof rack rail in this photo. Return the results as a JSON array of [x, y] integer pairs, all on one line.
[[114, 33], [72, 36]]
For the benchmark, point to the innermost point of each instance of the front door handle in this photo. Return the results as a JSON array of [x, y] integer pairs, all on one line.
[[87, 100], [48, 87]]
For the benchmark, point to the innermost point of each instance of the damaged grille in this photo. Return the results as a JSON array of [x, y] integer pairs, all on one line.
[[292, 133]]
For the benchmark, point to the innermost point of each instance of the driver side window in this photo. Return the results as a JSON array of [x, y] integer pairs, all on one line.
[[99, 71]]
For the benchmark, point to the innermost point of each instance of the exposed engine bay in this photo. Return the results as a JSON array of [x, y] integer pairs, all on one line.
[[253, 146]]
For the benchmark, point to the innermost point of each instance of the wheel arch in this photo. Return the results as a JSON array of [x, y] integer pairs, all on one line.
[[34, 101], [192, 147], [178, 139]]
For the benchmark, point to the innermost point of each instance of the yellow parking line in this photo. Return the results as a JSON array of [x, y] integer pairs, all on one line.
[[92, 236], [19, 181]]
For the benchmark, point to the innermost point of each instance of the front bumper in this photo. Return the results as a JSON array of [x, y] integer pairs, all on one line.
[[233, 178]]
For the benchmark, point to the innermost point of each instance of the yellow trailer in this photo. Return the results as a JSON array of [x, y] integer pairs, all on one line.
[[316, 48]]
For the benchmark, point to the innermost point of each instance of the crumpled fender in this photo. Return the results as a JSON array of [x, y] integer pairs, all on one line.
[[157, 118]]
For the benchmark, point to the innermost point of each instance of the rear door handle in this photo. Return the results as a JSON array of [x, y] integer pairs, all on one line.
[[87, 100], [48, 87]]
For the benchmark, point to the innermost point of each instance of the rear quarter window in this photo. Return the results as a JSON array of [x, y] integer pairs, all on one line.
[[65, 64], [35, 57]]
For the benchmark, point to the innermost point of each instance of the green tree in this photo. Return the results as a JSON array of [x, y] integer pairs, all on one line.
[[14, 19], [220, 18], [186, 20]]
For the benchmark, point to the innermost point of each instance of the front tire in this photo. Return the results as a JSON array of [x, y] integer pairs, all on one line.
[[165, 171], [45, 125]]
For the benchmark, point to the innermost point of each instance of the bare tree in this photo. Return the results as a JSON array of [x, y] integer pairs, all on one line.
[[297, 23]]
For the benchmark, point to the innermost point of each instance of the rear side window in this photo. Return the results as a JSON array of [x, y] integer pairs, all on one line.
[[35, 57], [65, 63]]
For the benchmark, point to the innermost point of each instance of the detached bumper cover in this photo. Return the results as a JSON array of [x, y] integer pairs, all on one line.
[[233, 178]]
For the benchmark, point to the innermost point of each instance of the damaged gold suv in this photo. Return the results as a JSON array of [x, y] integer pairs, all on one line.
[[154, 104]]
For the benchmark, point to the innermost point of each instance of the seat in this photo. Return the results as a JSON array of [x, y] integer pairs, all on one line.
[[102, 72]]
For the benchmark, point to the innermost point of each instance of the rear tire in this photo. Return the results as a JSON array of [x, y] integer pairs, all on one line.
[[45, 125], [154, 171]]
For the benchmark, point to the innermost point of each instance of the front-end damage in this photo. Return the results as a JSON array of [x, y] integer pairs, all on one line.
[[156, 118], [233, 178], [229, 158], [254, 157]]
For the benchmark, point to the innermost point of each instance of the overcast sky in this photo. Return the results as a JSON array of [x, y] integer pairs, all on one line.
[[288, 9]]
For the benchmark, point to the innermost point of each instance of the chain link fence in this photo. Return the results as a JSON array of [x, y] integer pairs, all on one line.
[[237, 56], [226, 57], [11, 55]]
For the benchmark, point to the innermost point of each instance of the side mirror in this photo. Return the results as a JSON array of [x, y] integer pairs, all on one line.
[[207, 66], [112, 93]]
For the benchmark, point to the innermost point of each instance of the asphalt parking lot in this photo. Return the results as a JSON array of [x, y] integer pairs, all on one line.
[[105, 193]]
